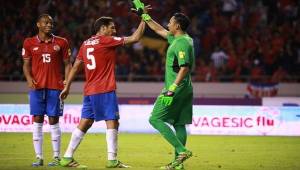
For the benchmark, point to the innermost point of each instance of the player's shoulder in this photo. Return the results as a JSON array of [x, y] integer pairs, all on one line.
[[185, 40], [60, 39], [93, 40], [101, 40], [30, 40], [108, 38]]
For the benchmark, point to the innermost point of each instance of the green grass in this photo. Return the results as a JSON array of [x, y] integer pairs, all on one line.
[[149, 151]]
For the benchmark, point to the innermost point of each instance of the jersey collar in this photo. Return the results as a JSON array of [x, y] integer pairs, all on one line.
[[40, 41]]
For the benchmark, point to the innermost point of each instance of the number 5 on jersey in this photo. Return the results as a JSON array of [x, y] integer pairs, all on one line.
[[91, 58]]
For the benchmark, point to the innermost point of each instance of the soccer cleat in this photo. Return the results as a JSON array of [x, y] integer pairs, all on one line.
[[173, 166], [55, 162], [170, 166], [182, 156], [39, 162], [177, 163], [70, 162], [116, 164], [179, 167]]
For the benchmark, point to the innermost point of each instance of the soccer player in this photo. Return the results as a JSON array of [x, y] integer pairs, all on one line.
[[174, 105], [98, 57], [44, 56]]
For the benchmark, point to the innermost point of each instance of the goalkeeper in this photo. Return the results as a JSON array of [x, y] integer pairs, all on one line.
[[174, 104]]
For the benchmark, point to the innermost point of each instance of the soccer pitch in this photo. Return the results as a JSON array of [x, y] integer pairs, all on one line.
[[149, 151]]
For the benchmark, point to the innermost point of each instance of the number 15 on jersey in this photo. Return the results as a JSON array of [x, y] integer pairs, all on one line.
[[46, 58]]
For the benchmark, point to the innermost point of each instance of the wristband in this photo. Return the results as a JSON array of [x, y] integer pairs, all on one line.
[[173, 87], [146, 17]]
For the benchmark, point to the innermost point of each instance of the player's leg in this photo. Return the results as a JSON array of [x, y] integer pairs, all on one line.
[[54, 109], [112, 145], [162, 114], [112, 139], [182, 136], [38, 140], [167, 133], [37, 109], [106, 108], [86, 121], [184, 117], [55, 139], [77, 135], [159, 116]]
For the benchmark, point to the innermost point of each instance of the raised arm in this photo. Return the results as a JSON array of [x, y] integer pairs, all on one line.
[[136, 36], [156, 27], [142, 10]]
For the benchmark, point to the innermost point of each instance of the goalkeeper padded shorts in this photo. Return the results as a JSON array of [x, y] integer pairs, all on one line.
[[179, 112]]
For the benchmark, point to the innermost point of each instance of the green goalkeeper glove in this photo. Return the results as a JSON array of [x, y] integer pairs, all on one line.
[[139, 9], [167, 97]]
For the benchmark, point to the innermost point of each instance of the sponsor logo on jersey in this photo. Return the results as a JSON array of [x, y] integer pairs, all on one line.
[[23, 51], [181, 54], [117, 38], [56, 47], [35, 48]]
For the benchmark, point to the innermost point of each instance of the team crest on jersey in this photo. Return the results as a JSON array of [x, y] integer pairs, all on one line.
[[56, 48], [181, 54], [35, 48]]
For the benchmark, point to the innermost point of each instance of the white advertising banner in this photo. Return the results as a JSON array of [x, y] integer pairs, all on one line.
[[281, 101], [246, 120], [210, 120], [16, 118]]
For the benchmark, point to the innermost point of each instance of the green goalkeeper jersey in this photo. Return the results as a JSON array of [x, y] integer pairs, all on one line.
[[180, 53]]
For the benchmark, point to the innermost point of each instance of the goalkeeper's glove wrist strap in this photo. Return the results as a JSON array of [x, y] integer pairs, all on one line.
[[146, 17], [173, 87]]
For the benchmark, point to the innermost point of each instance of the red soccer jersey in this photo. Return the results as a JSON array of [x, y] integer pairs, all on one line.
[[47, 60], [99, 57]]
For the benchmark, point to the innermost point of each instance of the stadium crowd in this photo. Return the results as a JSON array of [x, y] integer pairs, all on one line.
[[235, 40]]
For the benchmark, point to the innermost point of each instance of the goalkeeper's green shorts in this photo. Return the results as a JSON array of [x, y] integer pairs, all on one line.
[[180, 112]]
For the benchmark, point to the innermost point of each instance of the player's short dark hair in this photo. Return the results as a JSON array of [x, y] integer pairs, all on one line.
[[102, 21], [182, 20], [42, 16]]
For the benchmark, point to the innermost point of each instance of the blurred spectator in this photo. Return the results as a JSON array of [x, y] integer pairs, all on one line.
[[219, 58], [260, 39]]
